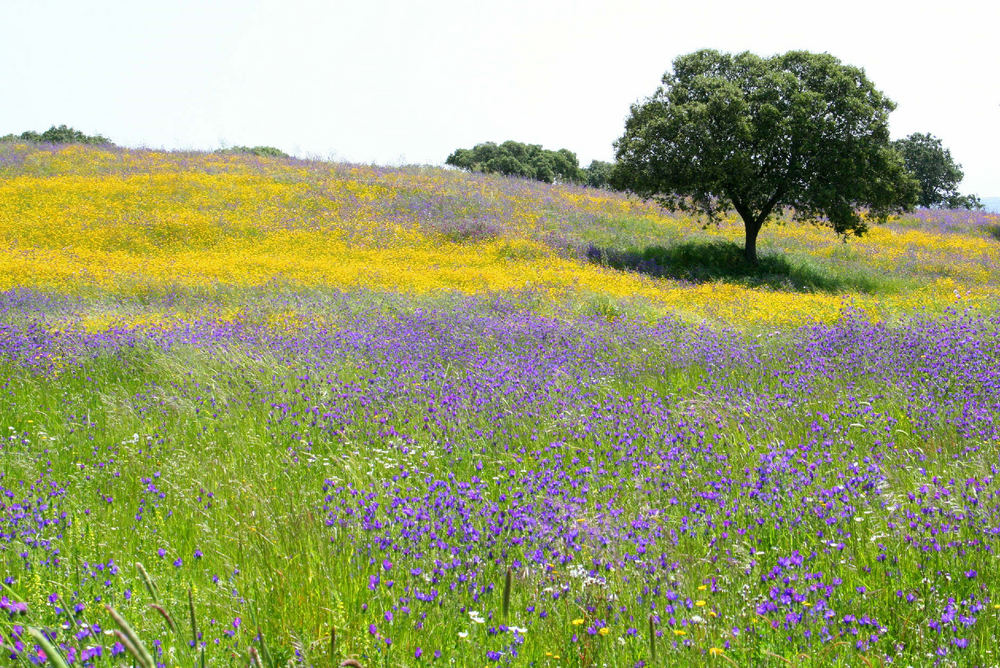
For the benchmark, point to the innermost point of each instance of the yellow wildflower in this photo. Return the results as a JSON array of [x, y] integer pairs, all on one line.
[[128, 221]]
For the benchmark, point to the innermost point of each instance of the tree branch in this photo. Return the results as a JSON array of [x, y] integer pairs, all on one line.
[[769, 206], [741, 208]]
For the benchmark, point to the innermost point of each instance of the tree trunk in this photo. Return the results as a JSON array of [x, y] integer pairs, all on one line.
[[751, 225], [750, 245]]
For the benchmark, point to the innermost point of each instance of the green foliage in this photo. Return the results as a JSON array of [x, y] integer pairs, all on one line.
[[259, 151], [758, 135], [938, 174], [598, 174], [58, 135], [513, 158], [971, 202]]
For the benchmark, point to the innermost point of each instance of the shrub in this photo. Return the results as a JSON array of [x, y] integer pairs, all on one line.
[[513, 158], [58, 135], [259, 151]]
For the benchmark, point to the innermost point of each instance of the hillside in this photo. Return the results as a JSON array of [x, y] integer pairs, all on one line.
[[277, 412], [95, 221]]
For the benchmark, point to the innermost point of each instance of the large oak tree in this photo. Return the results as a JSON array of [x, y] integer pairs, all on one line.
[[799, 131]]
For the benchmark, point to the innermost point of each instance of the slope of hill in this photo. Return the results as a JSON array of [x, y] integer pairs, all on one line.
[[276, 412], [113, 221]]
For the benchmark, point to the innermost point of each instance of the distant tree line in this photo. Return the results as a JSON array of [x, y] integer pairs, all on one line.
[[63, 134], [259, 151], [531, 161], [58, 135]]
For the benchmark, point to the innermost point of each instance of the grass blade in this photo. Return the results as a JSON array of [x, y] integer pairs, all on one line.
[[148, 581], [260, 634], [142, 654], [13, 593], [506, 594], [50, 651], [129, 647], [194, 625], [652, 642], [166, 616]]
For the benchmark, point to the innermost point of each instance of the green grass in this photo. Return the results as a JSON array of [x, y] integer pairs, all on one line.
[[714, 261], [262, 531]]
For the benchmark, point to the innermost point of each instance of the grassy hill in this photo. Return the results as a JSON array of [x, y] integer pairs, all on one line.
[[102, 221], [301, 413]]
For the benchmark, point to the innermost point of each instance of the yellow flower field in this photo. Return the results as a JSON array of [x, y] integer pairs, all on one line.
[[120, 222]]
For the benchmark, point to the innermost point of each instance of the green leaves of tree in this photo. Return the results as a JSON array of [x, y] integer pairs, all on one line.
[[58, 135], [516, 159], [758, 135], [938, 174], [258, 151]]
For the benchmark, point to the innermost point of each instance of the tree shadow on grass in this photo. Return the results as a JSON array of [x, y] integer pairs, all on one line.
[[710, 261], [994, 231]]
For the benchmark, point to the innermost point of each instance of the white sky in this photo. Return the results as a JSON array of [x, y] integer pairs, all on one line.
[[402, 81]]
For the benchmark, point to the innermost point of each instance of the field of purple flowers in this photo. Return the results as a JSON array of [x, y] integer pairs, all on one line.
[[292, 413], [470, 482]]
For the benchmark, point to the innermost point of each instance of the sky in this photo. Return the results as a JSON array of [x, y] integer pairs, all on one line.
[[402, 81]]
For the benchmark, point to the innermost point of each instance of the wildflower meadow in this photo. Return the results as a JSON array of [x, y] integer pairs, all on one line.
[[276, 412]]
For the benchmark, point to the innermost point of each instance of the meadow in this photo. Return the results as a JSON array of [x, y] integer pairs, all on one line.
[[295, 412]]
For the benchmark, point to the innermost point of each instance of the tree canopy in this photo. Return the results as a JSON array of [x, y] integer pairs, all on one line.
[[938, 174], [763, 134], [598, 174], [516, 159], [531, 161], [58, 135]]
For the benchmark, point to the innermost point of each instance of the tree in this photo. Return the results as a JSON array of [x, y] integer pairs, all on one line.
[[516, 159], [799, 130], [58, 135], [258, 151], [938, 174], [566, 166], [598, 174]]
